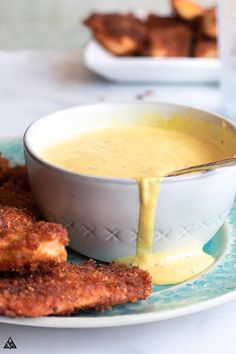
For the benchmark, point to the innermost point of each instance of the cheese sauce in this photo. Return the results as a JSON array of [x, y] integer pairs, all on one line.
[[147, 154]]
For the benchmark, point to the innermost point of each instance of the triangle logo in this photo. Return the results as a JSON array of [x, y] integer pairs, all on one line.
[[10, 344]]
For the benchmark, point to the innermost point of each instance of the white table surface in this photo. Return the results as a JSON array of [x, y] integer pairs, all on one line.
[[33, 84]]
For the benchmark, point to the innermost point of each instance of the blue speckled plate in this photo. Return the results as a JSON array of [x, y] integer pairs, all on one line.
[[215, 286]]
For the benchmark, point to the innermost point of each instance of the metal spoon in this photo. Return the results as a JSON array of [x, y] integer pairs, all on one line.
[[204, 167]]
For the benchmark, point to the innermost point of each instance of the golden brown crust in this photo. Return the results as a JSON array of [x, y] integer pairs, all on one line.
[[187, 9], [12, 218], [69, 288], [206, 49], [116, 24], [175, 36], [39, 244], [4, 166], [21, 200], [34, 278], [4, 163], [25, 244], [209, 23], [16, 178], [15, 190], [155, 22], [172, 41], [121, 34]]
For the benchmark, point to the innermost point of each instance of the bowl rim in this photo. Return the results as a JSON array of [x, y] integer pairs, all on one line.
[[119, 180]]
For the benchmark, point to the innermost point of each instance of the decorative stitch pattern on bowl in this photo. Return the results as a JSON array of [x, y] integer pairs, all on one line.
[[88, 231], [84, 231], [133, 237], [160, 235], [186, 231], [212, 222], [112, 234], [219, 280], [49, 215], [68, 224]]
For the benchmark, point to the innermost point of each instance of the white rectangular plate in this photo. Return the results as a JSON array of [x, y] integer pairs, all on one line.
[[148, 69]]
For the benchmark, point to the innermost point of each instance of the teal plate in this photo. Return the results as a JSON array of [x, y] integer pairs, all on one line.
[[213, 287]]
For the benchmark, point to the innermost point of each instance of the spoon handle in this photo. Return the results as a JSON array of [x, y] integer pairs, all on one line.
[[204, 167]]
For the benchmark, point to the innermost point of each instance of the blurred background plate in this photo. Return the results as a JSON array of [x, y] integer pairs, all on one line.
[[145, 69]]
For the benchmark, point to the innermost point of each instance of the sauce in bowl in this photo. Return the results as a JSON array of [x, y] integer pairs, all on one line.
[[146, 153]]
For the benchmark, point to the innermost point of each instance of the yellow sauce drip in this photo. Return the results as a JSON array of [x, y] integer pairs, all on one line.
[[146, 153], [165, 268], [148, 193]]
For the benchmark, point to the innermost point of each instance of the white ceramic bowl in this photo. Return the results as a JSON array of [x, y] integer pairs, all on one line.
[[101, 214]]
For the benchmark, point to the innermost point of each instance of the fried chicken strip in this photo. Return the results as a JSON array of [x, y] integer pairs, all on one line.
[[25, 242], [24, 201], [156, 22], [16, 178], [169, 37], [14, 219], [187, 9], [69, 288], [209, 23], [35, 280], [4, 164], [172, 42], [38, 244], [206, 49], [15, 190], [121, 34]]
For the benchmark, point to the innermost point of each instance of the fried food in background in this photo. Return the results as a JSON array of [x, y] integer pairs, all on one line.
[[120, 34], [206, 48], [25, 242], [172, 42], [155, 22], [209, 23], [168, 37], [179, 35], [68, 288], [187, 9]]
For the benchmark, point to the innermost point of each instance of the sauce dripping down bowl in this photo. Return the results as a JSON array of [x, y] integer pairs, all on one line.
[[102, 213]]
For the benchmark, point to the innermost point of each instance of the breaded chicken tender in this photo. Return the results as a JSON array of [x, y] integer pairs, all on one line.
[[19, 200], [158, 36], [35, 279], [187, 9], [121, 34], [171, 42], [40, 244], [209, 23], [206, 49], [156, 22], [12, 218], [15, 190], [26, 243], [69, 288], [16, 178], [4, 163], [168, 36]]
